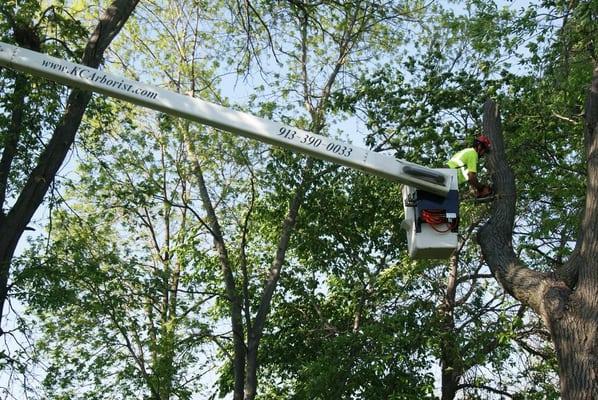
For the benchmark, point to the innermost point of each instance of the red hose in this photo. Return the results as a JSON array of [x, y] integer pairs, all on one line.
[[434, 218]]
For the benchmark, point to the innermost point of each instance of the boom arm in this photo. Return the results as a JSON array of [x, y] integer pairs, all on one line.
[[428, 179]]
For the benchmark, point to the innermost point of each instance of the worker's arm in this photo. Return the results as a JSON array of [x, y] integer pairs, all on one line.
[[481, 190], [472, 179]]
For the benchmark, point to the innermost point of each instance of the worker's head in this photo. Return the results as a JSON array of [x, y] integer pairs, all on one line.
[[481, 144]]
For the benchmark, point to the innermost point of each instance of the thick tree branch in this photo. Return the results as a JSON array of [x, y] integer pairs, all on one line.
[[284, 238], [283, 245], [243, 261], [40, 179], [51, 159], [495, 236], [25, 36], [581, 266], [227, 272], [13, 135]]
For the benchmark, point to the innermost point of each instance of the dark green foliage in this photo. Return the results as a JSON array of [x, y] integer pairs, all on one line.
[[345, 325]]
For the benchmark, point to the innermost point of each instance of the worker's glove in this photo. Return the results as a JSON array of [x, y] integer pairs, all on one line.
[[485, 191]]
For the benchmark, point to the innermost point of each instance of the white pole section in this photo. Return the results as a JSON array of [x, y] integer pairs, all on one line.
[[428, 179]]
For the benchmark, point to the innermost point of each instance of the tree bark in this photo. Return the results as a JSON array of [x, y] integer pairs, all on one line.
[[575, 333], [450, 357], [495, 236], [566, 300], [264, 307], [235, 304], [14, 134], [13, 224]]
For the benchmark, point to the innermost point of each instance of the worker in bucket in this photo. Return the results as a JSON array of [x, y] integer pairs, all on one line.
[[466, 161]]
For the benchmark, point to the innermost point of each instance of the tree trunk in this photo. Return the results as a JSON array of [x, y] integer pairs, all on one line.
[[13, 224], [566, 300], [235, 305], [264, 307], [450, 358], [13, 135], [574, 327]]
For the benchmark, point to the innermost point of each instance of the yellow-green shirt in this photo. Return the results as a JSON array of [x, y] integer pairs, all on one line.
[[466, 161]]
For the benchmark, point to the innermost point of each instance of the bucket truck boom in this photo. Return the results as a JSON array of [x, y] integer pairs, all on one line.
[[436, 188]]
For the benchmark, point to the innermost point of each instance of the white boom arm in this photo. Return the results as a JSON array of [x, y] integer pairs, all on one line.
[[432, 180]]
